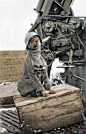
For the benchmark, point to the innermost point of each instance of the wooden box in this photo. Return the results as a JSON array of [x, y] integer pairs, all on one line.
[[47, 113], [6, 94]]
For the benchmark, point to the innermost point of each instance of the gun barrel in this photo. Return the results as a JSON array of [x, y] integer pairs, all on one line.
[[46, 6], [40, 4]]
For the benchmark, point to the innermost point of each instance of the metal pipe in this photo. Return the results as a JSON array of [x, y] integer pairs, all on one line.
[[73, 75], [65, 16], [46, 6], [40, 4], [78, 61], [46, 39]]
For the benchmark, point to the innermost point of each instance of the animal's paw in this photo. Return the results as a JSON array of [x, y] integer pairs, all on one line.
[[52, 91], [45, 93]]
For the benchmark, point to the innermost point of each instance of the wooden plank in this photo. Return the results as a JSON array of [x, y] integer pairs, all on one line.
[[12, 57], [10, 60], [62, 89], [4, 86], [6, 94], [46, 103], [21, 52], [11, 114], [9, 120], [9, 74], [58, 121], [9, 125], [7, 116], [54, 111], [10, 79], [15, 113], [8, 128], [11, 66], [8, 90], [47, 113]]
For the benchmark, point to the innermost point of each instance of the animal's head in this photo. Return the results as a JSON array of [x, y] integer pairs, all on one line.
[[35, 42], [32, 40]]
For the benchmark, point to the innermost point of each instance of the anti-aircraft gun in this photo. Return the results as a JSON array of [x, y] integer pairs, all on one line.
[[64, 37], [49, 11]]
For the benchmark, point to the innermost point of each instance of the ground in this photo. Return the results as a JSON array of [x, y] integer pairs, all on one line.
[[9, 113]]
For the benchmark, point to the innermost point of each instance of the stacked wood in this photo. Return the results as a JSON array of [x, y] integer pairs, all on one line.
[[47, 113], [11, 64], [6, 94], [10, 121]]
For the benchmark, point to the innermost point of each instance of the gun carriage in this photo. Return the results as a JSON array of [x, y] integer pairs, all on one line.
[[64, 37]]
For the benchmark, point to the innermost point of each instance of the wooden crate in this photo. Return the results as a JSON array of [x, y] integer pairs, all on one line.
[[56, 110], [6, 94]]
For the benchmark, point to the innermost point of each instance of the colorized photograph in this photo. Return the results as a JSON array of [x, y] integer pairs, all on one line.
[[42, 66]]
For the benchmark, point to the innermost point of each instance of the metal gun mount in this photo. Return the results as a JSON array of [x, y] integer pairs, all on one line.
[[64, 37], [57, 22]]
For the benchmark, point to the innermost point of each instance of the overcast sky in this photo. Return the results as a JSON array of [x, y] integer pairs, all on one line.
[[16, 17]]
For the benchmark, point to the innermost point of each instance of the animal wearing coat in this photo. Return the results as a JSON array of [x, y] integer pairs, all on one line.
[[34, 78]]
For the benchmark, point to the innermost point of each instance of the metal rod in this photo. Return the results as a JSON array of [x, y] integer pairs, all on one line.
[[65, 66], [82, 61], [65, 16], [78, 77]]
